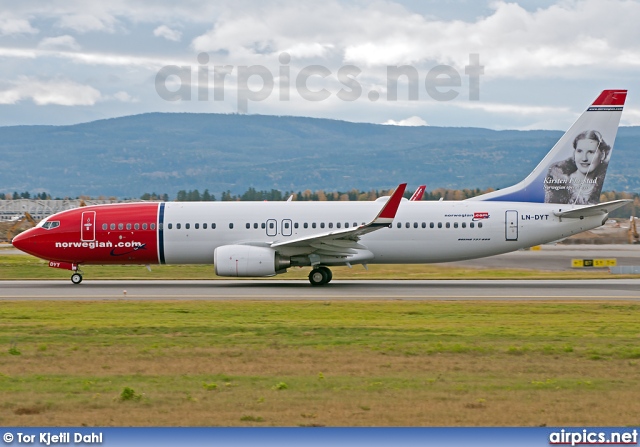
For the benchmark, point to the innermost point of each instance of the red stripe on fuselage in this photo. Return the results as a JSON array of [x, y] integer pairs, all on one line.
[[119, 243]]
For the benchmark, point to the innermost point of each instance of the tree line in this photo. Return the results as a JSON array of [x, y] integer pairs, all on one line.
[[275, 195]]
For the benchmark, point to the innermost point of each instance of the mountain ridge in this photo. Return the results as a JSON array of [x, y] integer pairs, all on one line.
[[168, 152]]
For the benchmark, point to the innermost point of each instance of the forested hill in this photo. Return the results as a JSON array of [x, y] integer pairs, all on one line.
[[168, 152]]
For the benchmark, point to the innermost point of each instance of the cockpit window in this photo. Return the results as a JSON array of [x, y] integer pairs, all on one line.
[[49, 225]]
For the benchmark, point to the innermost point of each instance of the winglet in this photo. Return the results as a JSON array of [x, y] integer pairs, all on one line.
[[389, 210], [417, 196], [382, 220]]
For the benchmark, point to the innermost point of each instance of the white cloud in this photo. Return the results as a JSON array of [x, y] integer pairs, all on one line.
[[84, 23], [60, 42], [511, 41], [123, 96], [518, 109], [11, 25], [59, 92], [411, 121], [167, 33], [630, 117]]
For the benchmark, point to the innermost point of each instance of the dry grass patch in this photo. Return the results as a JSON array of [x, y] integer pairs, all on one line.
[[307, 364]]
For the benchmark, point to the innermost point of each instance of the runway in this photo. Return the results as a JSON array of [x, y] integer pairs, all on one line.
[[276, 290]]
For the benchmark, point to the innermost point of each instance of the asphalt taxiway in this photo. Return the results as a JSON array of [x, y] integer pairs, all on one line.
[[360, 290]]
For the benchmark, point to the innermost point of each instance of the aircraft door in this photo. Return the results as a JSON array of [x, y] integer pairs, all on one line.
[[88, 226], [511, 225], [272, 227], [286, 227]]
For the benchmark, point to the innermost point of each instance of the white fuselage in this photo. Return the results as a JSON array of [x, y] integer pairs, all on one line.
[[422, 232]]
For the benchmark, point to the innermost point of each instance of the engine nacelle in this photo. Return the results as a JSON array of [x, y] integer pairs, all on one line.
[[247, 260]]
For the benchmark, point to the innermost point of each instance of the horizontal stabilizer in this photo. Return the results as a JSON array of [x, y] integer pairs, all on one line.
[[593, 210]]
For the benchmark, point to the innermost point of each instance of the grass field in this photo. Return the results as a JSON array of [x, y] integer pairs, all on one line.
[[400, 363]]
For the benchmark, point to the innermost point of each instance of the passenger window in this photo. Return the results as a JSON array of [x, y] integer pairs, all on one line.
[[464, 225], [255, 226], [338, 225], [330, 224], [431, 225], [471, 225], [439, 224], [321, 224], [204, 226], [120, 226], [153, 226], [112, 226], [144, 226], [197, 226], [231, 226], [455, 225], [313, 225], [136, 227], [407, 224], [104, 226], [248, 226], [271, 225], [170, 226], [286, 225], [128, 226], [355, 224], [448, 224], [213, 226], [424, 225], [187, 226], [295, 225], [263, 225], [178, 226], [479, 224], [346, 224], [415, 225], [399, 225]]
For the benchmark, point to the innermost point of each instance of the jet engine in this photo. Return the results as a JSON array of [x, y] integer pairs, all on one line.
[[247, 260]]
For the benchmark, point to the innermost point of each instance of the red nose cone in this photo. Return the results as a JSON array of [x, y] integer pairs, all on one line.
[[20, 241]]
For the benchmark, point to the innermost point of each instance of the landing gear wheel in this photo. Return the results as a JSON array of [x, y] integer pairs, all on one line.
[[76, 278], [320, 276], [327, 271]]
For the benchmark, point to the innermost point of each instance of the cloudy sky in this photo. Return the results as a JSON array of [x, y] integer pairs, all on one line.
[[536, 65]]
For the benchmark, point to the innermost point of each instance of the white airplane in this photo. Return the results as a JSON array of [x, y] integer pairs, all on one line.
[[256, 239]]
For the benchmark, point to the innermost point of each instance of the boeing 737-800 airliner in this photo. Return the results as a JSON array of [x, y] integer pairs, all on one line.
[[253, 239]]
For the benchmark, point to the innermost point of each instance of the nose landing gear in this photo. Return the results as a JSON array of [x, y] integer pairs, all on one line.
[[320, 276], [76, 278]]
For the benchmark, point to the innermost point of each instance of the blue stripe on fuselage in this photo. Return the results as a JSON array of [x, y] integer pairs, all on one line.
[[161, 234]]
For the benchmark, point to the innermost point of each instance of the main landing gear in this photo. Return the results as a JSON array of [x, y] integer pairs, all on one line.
[[320, 276]]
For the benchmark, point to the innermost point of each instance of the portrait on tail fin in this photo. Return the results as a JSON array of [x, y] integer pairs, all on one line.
[[578, 179], [573, 171]]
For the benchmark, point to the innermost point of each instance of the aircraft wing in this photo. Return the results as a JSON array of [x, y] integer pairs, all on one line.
[[344, 242], [593, 210]]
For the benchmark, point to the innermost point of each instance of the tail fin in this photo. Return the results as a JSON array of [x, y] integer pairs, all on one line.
[[417, 195], [573, 171]]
